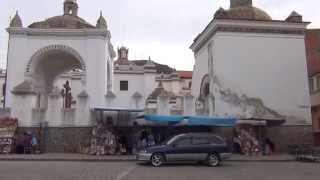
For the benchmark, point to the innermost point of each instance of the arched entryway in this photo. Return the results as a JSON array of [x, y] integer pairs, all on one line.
[[47, 64], [202, 103]]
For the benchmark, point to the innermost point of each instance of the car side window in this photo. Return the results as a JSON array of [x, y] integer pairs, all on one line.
[[183, 142], [216, 140], [200, 141]]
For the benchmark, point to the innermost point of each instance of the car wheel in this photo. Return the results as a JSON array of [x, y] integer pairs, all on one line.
[[213, 160], [157, 160]]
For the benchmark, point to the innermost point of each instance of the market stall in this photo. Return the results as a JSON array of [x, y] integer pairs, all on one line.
[[8, 129]]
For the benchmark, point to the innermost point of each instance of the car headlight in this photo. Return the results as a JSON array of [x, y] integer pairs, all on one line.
[[143, 151]]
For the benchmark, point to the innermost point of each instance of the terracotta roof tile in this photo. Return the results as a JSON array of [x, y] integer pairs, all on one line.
[[185, 74]]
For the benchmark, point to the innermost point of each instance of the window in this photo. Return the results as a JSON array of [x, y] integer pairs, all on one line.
[[200, 140], [318, 83], [311, 86], [124, 86], [183, 142], [217, 140]]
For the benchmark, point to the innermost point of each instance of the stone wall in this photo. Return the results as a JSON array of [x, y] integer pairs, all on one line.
[[282, 136], [77, 139], [287, 135], [66, 140]]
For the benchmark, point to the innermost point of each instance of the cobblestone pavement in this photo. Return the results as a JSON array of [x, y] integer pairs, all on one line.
[[42, 170]]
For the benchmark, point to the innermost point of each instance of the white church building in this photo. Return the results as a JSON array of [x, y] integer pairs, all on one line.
[[39, 53], [251, 66]]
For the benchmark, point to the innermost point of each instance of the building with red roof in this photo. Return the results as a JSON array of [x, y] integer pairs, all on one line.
[[313, 63]]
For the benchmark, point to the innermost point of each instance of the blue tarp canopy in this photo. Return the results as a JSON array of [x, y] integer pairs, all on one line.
[[193, 120], [163, 119], [212, 121]]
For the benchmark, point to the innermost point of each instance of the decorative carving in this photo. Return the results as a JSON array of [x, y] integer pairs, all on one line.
[[67, 96]]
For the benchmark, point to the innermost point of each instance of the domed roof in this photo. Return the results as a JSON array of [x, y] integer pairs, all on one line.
[[248, 12], [242, 9], [63, 22]]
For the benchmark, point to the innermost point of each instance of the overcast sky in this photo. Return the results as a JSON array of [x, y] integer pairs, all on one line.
[[161, 29]]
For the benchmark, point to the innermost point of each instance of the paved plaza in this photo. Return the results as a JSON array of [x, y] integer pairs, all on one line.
[[42, 170]]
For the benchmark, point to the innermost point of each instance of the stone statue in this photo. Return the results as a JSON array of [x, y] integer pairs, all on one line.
[[66, 94]]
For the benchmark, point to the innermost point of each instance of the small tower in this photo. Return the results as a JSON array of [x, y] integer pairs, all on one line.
[[16, 21], [123, 53], [102, 23], [70, 7]]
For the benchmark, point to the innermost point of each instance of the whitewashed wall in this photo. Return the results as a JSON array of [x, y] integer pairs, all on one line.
[[141, 83], [268, 67]]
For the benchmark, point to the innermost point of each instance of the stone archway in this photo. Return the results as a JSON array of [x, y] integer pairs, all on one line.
[[205, 86], [58, 47], [202, 103], [47, 64]]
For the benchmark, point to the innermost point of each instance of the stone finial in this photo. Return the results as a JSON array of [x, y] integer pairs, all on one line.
[[102, 23], [237, 3], [220, 13], [294, 17], [16, 21]]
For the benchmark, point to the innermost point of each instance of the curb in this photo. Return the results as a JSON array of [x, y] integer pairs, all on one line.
[[264, 161], [67, 160], [123, 160]]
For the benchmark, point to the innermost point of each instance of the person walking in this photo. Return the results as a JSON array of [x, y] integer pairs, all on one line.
[[34, 143]]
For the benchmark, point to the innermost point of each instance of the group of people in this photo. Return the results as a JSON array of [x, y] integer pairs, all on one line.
[[26, 144], [245, 142], [142, 138]]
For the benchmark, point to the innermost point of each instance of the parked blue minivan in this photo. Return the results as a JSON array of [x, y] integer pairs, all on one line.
[[199, 147]]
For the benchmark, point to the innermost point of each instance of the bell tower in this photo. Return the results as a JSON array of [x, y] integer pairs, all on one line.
[[70, 7]]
